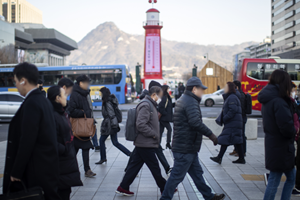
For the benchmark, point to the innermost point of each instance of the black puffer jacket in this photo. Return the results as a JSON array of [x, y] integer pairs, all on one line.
[[68, 166], [108, 112], [188, 125], [165, 108], [279, 130], [78, 106]]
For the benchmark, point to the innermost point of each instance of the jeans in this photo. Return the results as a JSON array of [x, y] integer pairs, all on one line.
[[85, 158], [167, 125], [239, 150], [186, 163], [138, 158], [274, 181], [114, 139], [95, 140]]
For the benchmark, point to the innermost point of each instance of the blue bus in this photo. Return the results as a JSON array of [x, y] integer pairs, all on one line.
[[114, 77]]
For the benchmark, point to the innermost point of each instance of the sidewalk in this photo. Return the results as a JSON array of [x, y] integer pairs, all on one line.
[[239, 182]]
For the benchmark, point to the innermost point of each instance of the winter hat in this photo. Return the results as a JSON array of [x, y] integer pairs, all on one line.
[[154, 83]]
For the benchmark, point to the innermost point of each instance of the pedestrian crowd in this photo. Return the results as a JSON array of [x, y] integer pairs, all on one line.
[[47, 132]]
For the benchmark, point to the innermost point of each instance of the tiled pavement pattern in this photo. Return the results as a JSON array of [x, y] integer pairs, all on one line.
[[227, 177]]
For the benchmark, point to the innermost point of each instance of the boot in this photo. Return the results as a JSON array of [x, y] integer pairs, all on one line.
[[89, 174], [168, 145], [216, 159], [219, 197], [101, 162], [239, 161]]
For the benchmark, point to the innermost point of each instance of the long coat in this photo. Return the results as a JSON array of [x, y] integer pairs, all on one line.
[[109, 116], [32, 153], [279, 130], [68, 166], [78, 105], [166, 109], [231, 116]]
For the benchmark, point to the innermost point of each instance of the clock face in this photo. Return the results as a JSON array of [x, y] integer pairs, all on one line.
[[152, 16], [152, 54]]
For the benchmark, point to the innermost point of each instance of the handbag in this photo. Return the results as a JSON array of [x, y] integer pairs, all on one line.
[[35, 193], [83, 127]]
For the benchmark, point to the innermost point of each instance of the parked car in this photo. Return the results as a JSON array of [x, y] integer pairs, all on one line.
[[9, 104], [215, 98]]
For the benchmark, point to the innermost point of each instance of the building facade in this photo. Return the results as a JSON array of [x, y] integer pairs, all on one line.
[[286, 28], [262, 50], [20, 11]]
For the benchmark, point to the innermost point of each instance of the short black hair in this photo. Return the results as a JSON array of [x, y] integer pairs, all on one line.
[[237, 84], [28, 71], [105, 94], [53, 92], [65, 82], [190, 88], [154, 89], [40, 81], [82, 78]]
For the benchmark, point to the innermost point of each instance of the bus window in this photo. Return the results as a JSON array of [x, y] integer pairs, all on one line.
[[117, 77], [293, 71], [10, 79], [74, 74], [52, 77], [101, 79], [254, 70], [268, 69], [2, 79]]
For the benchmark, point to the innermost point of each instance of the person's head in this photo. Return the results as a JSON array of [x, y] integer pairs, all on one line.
[[155, 93], [237, 84], [154, 83], [165, 89], [294, 89], [26, 77], [195, 86], [229, 88], [283, 80], [105, 94], [57, 94], [67, 84], [83, 81], [40, 83]]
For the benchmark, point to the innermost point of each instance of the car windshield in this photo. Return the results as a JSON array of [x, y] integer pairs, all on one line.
[[219, 92]]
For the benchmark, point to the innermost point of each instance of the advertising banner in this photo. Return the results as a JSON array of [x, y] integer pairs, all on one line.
[[152, 64]]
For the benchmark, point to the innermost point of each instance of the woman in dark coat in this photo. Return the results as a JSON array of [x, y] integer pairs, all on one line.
[[68, 166], [78, 107], [165, 108], [231, 117], [277, 113], [110, 126]]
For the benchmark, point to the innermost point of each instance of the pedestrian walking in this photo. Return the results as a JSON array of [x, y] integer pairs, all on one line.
[[187, 140], [40, 86], [165, 108], [68, 166], [110, 125], [279, 133], [79, 107], [181, 89], [243, 105], [231, 117], [32, 153], [146, 143]]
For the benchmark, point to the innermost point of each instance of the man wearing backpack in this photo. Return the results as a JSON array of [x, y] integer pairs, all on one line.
[[146, 143]]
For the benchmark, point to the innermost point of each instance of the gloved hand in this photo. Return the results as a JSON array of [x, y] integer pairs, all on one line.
[[214, 139]]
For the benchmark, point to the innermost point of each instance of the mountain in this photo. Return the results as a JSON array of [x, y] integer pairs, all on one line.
[[107, 44]]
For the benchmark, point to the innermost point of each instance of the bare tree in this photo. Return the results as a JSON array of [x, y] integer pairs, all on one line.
[[8, 54]]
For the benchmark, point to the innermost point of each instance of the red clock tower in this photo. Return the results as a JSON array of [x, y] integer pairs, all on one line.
[[152, 56]]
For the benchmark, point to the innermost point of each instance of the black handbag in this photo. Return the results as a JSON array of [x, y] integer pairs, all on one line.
[[35, 193]]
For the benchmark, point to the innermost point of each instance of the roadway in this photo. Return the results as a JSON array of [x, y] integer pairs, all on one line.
[[206, 112]]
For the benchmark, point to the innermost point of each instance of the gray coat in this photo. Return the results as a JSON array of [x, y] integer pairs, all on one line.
[[109, 117], [147, 125]]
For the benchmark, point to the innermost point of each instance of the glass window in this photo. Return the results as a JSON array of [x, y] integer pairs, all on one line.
[[254, 70], [15, 98], [10, 79], [97, 79], [278, 4], [117, 77], [52, 77], [294, 71], [3, 97]]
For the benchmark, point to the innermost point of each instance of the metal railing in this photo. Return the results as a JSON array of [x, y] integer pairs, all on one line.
[[152, 23]]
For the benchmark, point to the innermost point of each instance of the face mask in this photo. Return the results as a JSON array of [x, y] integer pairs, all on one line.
[[158, 100]]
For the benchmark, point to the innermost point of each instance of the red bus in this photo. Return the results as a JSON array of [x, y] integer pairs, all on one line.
[[254, 74]]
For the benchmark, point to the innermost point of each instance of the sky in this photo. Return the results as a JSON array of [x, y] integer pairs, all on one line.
[[218, 22]]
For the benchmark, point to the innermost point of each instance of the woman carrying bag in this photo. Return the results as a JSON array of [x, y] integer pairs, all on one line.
[[69, 171], [110, 125]]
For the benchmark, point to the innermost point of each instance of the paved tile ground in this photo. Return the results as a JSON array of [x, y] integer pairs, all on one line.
[[226, 177]]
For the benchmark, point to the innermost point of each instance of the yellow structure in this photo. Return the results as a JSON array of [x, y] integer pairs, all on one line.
[[20, 11]]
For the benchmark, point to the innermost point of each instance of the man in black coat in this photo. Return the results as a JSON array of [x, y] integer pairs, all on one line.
[[32, 154], [187, 139]]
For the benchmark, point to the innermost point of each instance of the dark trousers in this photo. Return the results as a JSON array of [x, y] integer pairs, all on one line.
[[239, 149], [95, 140], [167, 125], [114, 140], [138, 158], [85, 158], [244, 139], [64, 194], [298, 166]]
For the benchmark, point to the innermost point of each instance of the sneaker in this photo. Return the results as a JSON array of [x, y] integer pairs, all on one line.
[[266, 177], [124, 192], [239, 161], [89, 174], [219, 197], [169, 171], [216, 159], [296, 192], [233, 153], [97, 148]]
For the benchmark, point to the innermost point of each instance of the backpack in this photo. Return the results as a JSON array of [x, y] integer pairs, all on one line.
[[118, 113], [130, 131], [248, 104]]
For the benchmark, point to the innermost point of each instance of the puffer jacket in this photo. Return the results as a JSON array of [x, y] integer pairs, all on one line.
[[188, 125], [147, 125], [232, 119], [109, 116], [279, 130], [165, 108]]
